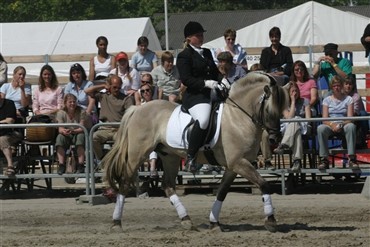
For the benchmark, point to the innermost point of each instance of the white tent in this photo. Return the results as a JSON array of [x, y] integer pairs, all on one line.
[[310, 23], [73, 37]]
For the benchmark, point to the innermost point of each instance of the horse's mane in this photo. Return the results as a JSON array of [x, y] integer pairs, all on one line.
[[250, 80]]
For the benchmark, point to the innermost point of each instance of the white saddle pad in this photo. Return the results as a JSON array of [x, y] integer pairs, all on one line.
[[176, 126]]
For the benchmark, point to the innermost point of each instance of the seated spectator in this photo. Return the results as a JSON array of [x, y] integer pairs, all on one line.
[[307, 86], [130, 76], [76, 86], [103, 62], [292, 131], [362, 127], [365, 40], [3, 70], [113, 105], [257, 67], [337, 105], [146, 79], [331, 65], [277, 59], [19, 92], [166, 77], [238, 54], [144, 60], [230, 71], [8, 137], [48, 96], [67, 136]]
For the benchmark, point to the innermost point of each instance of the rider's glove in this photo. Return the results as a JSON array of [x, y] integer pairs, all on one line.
[[210, 84]]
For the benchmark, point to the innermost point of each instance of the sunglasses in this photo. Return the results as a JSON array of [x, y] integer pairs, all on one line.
[[145, 90], [145, 81], [299, 69]]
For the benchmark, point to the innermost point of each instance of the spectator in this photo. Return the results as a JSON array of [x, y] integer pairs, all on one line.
[[146, 79], [48, 96], [232, 72], [277, 59], [166, 77], [8, 137], [331, 65], [257, 67], [19, 92], [199, 74], [337, 105], [238, 54], [3, 70], [307, 86], [144, 60], [113, 105], [292, 131], [365, 40], [71, 113], [103, 63], [130, 76], [76, 86]]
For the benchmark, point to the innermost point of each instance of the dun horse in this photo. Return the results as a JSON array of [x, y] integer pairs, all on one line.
[[255, 103]]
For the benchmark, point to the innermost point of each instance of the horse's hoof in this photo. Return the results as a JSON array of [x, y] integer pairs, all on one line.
[[187, 224], [270, 224], [116, 227], [215, 227]]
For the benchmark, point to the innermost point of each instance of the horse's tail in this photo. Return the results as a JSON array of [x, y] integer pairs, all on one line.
[[115, 161]]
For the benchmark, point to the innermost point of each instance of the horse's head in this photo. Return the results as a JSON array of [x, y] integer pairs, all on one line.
[[259, 94]]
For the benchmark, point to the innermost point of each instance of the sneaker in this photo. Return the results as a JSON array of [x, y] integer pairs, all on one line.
[[324, 164], [296, 165], [352, 164], [281, 148], [61, 169], [268, 165], [80, 168]]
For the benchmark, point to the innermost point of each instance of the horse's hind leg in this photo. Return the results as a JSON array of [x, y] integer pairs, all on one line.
[[171, 167], [246, 170], [227, 180], [118, 209]]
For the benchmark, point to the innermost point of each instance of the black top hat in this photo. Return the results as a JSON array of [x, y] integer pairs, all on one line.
[[330, 47], [192, 28]]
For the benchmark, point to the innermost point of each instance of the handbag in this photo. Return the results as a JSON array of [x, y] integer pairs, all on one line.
[[40, 134]]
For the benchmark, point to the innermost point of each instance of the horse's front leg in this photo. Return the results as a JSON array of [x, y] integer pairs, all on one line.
[[246, 170], [118, 209], [227, 180]]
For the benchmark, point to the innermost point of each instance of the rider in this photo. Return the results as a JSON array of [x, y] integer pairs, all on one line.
[[199, 74]]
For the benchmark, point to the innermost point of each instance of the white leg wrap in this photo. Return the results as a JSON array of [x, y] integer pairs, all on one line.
[[267, 205], [215, 213], [181, 211], [118, 209]]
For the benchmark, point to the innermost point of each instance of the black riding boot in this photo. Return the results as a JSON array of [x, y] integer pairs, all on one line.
[[196, 140]]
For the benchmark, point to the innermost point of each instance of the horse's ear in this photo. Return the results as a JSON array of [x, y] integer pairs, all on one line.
[[267, 91], [273, 81]]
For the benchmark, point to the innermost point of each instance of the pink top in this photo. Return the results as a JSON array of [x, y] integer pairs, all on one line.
[[305, 88], [47, 100]]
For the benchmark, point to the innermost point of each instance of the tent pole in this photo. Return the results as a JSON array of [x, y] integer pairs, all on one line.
[[166, 23]]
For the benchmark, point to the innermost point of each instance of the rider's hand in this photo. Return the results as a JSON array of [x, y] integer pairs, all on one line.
[[210, 84], [226, 83]]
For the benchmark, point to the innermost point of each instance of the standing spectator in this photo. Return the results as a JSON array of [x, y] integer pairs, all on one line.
[[130, 76], [292, 131], [365, 40], [18, 91], [232, 72], [199, 74], [337, 105], [71, 113], [48, 96], [277, 59], [103, 63], [307, 86], [331, 65], [166, 77], [144, 60], [77, 84], [238, 54], [113, 105], [3, 70], [8, 137]]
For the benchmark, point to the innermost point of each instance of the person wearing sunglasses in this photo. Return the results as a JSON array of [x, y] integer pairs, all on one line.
[[146, 79], [237, 52], [307, 85]]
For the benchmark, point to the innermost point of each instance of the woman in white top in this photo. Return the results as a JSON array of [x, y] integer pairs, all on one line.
[[103, 63], [236, 50], [130, 76], [18, 91]]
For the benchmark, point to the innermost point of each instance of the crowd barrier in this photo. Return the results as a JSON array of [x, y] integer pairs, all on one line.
[[90, 173]]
